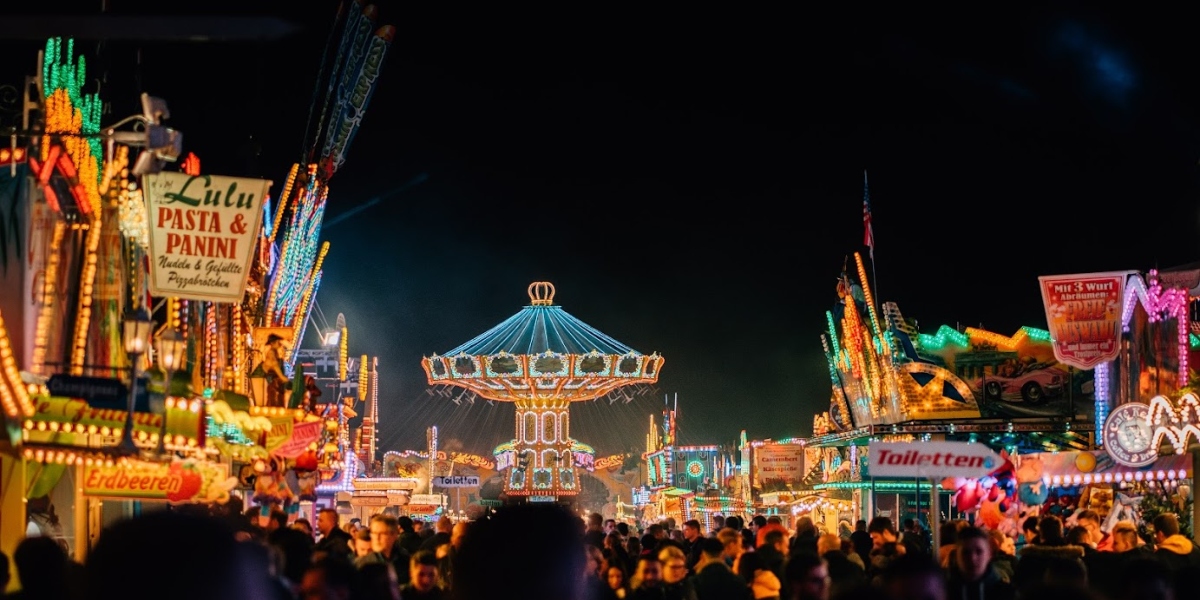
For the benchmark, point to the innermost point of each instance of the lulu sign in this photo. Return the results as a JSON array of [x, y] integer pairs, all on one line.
[[202, 234], [778, 463], [1083, 313], [177, 482]]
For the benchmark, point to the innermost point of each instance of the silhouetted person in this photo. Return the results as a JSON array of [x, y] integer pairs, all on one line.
[[5, 572], [914, 577], [329, 577], [1050, 556], [295, 545], [714, 580], [972, 574], [862, 541], [42, 567], [806, 577], [528, 551], [1144, 578], [171, 555], [1059, 591]]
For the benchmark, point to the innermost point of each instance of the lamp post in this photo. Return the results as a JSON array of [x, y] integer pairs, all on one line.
[[137, 341], [171, 350]]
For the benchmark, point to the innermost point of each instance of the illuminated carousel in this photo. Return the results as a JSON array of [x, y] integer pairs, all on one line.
[[541, 359]]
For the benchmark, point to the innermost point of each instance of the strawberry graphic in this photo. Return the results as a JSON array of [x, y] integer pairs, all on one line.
[[190, 482]]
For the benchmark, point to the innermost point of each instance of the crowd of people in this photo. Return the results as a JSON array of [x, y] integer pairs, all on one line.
[[544, 552]]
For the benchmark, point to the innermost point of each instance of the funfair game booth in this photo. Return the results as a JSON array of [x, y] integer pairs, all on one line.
[[78, 479], [1077, 481], [1137, 331], [891, 382]]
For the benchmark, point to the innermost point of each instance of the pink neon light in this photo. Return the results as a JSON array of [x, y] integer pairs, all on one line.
[[1160, 304]]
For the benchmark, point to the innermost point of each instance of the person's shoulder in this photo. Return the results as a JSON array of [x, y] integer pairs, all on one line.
[[366, 559]]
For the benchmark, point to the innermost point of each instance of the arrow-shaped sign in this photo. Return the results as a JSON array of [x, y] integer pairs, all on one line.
[[935, 460]]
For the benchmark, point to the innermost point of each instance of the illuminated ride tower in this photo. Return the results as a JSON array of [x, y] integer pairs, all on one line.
[[542, 359]]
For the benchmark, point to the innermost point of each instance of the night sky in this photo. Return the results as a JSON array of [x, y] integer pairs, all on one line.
[[692, 182]]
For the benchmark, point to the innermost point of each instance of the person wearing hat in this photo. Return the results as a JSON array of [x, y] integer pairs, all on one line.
[[271, 368]]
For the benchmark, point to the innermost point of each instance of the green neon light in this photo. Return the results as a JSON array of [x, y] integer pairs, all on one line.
[[62, 70], [945, 335], [833, 335], [879, 486], [1037, 335]]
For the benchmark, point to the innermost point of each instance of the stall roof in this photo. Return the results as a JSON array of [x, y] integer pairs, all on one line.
[[675, 492], [1075, 468]]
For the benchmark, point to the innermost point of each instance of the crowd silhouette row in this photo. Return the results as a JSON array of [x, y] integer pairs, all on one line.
[[545, 552]]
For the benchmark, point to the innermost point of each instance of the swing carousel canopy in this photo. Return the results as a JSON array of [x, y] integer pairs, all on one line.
[[542, 353]]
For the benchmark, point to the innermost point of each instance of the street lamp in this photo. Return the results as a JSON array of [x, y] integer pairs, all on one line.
[[137, 342], [171, 350]]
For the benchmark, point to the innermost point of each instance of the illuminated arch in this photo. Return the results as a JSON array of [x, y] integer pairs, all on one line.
[[924, 387]]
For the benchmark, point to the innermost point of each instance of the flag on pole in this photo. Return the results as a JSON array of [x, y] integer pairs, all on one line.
[[868, 232]]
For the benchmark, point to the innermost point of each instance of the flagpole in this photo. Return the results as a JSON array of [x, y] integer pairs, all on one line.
[[874, 280]]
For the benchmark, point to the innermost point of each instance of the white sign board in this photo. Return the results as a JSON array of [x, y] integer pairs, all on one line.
[[935, 460], [778, 463], [203, 231], [427, 499], [457, 481]]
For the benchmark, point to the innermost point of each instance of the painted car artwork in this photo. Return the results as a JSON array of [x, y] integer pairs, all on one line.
[[1033, 386]]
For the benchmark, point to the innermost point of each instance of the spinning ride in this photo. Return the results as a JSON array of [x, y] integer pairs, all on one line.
[[542, 359]]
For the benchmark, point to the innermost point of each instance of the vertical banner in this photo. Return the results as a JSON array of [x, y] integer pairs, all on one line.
[[1083, 314], [778, 464], [203, 231]]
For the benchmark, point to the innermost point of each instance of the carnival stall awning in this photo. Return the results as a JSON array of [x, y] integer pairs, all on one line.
[[1080, 468]]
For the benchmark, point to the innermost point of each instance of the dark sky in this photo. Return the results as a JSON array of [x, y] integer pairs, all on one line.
[[692, 181]]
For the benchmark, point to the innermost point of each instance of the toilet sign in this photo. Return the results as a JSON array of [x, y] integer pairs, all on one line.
[[457, 481], [934, 460]]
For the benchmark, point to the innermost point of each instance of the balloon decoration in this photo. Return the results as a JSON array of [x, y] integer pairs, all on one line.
[[270, 484], [1032, 489], [992, 508], [994, 493]]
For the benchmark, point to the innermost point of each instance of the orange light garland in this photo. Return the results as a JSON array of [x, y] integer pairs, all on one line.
[[283, 198], [87, 281], [48, 298], [13, 396], [63, 117], [239, 348]]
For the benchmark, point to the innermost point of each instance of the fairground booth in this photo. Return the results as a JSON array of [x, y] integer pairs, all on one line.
[[1091, 412], [685, 482], [151, 316]]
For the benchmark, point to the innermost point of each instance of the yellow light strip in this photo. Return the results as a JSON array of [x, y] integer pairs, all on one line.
[[343, 355], [363, 377], [87, 281], [48, 298], [13, 396], [1000, 341], [114, 169], [72, 457], [277, 411], [239, 349], [283, 200], [210, 344], [862, 277]]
